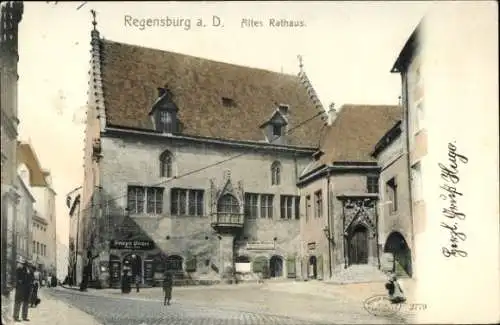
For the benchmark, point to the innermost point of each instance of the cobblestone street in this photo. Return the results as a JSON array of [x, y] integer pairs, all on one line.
[[242, 304]]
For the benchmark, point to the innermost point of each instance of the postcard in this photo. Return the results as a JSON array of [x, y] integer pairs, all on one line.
[[250, 162]]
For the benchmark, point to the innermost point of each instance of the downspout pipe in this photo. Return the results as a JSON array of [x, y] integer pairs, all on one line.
[[328, 195]]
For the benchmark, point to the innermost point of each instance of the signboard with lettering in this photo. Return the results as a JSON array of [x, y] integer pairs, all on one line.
[[132, 244], [311, 246], [260, 245]]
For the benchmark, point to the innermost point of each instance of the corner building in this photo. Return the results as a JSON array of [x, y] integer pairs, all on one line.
[[192, 165]]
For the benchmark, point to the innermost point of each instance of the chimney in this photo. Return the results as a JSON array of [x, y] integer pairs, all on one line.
[[161, 91], [332, 113]]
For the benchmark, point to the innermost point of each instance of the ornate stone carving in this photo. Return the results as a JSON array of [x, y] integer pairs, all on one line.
[[213, 196], [362, 210], [226, 188]]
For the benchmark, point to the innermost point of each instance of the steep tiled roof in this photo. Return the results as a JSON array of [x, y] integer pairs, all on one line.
[[132, 74], [355, 132]]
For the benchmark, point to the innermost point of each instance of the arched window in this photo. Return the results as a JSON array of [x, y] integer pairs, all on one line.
[[276, 173], [228, 204], [166, 164]]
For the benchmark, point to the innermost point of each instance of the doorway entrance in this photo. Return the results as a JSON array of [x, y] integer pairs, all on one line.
[[276, 266], [133, 263], [358, 246], [313, 267], [396, 244]]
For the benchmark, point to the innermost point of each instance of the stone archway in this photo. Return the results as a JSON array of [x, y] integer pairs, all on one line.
[[396, 244], [174, 263], [358, 245], [276, 266]]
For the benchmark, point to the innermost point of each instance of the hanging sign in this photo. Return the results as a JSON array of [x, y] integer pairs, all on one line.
[[132, 244]]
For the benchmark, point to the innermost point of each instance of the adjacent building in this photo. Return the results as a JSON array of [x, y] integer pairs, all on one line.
[[10, 16], [25, 215], [340, 228], [395, 222], [409, 65], [43, 234], [192, 165]]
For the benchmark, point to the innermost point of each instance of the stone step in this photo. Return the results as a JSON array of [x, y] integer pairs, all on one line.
[[358, 274]]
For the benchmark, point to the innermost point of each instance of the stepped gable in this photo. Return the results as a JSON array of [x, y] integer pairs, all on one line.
[[132, 74], [355, 132]]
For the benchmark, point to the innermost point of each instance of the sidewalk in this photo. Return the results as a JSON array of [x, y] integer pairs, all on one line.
[[55, 312]]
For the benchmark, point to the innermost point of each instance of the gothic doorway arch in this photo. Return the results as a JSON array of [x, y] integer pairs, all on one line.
[[358, 245], [396, 244], [173, 263], [313, 267], [276, 266]]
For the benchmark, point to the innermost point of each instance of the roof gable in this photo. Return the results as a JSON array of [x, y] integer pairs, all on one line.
[[355, 132], [27, 156], [132, 74]]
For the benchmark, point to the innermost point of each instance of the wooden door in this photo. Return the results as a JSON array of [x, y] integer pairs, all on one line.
[[358, 246]]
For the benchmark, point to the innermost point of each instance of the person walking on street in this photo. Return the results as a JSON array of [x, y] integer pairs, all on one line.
[[23, 290], [126, 287], [137, 282], [35, 286], [168, 282]]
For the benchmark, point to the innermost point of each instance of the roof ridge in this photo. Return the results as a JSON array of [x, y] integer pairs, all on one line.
[[201, 58]]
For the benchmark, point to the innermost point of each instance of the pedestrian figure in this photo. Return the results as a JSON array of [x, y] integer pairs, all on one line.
[[396, 294], [168, 282], [34, 288], [137, 282], [23, 290], [126, 282]]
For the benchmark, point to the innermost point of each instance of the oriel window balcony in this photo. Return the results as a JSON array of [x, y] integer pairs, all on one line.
[[227, 220]]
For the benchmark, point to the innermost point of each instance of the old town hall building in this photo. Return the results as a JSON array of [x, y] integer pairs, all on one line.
[[192, 165], [210, 169]]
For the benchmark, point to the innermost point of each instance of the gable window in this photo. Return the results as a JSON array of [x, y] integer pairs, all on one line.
[[276, 173], [372, 184], [318, 204], [266, 206], [166, 122], [308, 207], [166, 162], [228, 204], [251, 205], [145, 200], [184, 202], [392, 194]]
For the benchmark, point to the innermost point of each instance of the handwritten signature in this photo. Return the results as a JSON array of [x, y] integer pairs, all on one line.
[[451, 178]]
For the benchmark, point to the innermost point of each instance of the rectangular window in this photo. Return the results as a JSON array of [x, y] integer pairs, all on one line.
[[277, 130], [186, 202], [145, 200], [251, 205], [37, 247], [166, 122], [297, 207], [33, 248], [308, 207], [287, 206], [195, 202], [266, 206], [416, 182], [318, 204], [136, 196], [392, 194], [372, 184], [154, 197]]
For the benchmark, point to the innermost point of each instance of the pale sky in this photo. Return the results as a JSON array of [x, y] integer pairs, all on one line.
[[348, 49]]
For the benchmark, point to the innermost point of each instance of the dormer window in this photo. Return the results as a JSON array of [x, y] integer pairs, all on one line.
[[228, 102], [164, 112]]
